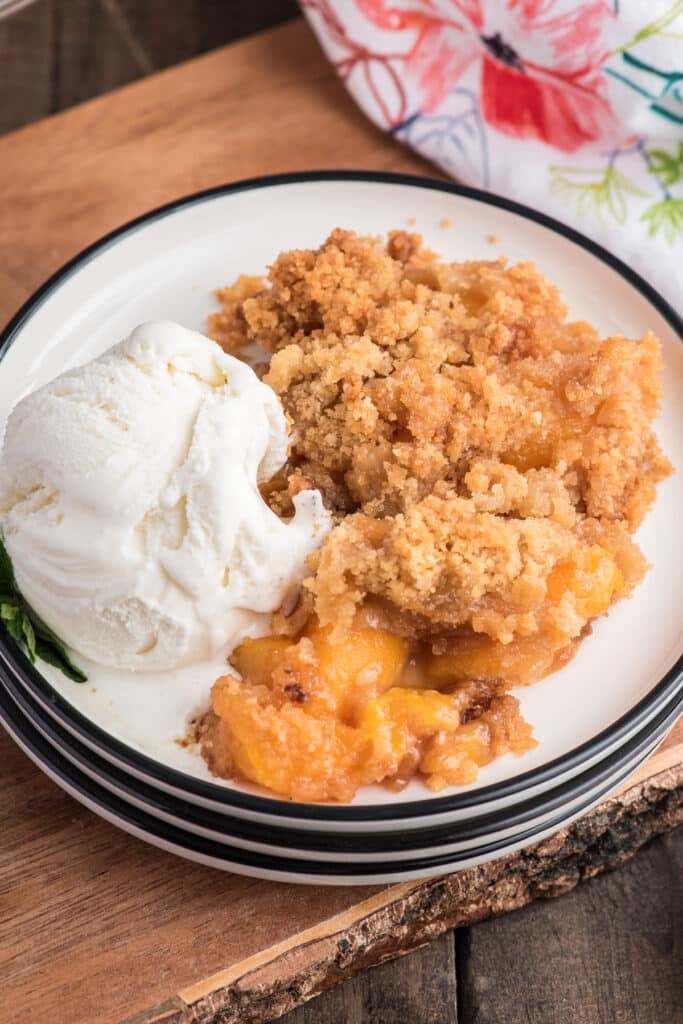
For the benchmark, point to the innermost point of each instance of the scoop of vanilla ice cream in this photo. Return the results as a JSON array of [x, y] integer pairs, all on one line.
[[129, 502]]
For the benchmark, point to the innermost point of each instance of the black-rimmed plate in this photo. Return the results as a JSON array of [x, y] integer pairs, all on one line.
[[166, 265], [455, 837], [225, 857]]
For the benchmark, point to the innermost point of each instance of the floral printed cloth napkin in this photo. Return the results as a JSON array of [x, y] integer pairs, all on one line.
[[574, 107]]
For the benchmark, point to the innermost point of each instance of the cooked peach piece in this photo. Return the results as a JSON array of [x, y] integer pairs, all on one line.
[[363, 666], [455, 758], [314, 720], [282, 748], [256, 660], [587, 583], [591, 577], [477, 656]]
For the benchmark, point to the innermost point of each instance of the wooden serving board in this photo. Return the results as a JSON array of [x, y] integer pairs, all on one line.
[[97, 927]]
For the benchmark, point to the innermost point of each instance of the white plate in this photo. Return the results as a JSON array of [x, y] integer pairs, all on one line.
[[375, 846], [570, 804], [429, 813], [270, 864], [167, 264]]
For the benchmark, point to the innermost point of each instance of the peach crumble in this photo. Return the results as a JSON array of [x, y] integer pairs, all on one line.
[[485, 460]]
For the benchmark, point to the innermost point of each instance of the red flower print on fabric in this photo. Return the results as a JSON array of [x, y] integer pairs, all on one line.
[[541, 61]]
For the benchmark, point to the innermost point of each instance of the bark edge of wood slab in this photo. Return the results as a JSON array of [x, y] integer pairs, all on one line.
[[408, 915]]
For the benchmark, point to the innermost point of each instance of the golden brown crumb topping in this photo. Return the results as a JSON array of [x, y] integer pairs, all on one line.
[[486, 461], [475, 433]]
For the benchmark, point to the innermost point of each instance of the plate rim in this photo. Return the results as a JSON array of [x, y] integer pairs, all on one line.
[[354, 844], [348, 873], [280, 807]]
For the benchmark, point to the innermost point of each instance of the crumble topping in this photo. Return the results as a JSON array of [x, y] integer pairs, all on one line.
[[485, 460]]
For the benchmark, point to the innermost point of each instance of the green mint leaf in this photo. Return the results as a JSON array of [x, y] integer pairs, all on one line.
[[29, 636], [50, 648], [27, 630], [54, 654], [7, 584], [11, 616], [9, 610]]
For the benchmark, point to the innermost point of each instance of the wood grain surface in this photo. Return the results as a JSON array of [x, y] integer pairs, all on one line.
[[69, 179], [634, 974], [110, 925], [420, 988], [94, 925], [55, 53]]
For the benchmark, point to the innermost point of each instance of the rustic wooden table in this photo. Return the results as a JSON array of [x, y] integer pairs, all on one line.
[[611, 950]]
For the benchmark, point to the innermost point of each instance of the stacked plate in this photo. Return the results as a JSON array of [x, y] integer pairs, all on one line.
[[595, 721]]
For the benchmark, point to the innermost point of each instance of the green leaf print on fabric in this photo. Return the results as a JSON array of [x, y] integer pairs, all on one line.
[[668, 166], [667, 217], [594, 191], [658, 27]]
